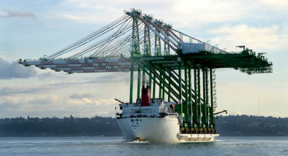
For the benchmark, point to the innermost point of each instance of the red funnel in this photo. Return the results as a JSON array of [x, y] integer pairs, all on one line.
[[145, 96]]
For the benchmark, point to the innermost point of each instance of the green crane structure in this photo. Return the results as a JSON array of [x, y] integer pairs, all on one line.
[[177, 67]]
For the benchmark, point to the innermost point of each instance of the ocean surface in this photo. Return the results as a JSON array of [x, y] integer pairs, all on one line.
[[115, 146]]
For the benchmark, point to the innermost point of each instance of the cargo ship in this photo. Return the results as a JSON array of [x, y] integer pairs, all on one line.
[[181, 68], [155, 120]]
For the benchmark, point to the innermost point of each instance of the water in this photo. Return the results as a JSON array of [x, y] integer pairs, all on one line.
[[98, 146]]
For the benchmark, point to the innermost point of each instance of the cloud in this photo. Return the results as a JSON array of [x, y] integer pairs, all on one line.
[[209, 11], [52, 86], [54, 105], [8, 103], [279, 4], [10, 13], [50, 75], [260, 38], [33, 89], [112, 78], [89, 101], [186, 13], [12, 103], [95, 11], [44, 100], [79, 96], [14, 70]]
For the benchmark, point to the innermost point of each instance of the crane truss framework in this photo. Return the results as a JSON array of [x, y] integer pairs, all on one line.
[[176, 65]]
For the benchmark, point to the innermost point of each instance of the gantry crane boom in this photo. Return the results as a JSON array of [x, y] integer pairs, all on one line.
[[178, 66]]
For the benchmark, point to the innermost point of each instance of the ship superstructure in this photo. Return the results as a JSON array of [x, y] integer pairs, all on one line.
[[178, 69]]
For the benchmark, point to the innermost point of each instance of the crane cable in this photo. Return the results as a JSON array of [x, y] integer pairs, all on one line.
[[92, 47], [96, 45], [129, 38], [115, 35], [100, 34], [90, 37]]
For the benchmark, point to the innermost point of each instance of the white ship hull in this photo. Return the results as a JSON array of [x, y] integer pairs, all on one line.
[[164, 130]]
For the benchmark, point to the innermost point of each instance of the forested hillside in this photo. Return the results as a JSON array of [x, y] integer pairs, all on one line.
[[107, 126]]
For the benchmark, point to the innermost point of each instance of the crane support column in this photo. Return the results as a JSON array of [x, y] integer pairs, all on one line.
[[186, 104], [150, 80], [143, 76], [190, 95], [169, 88], [197, 104], [163, 84], [198, 81], [131, 80], [211, 108], [160, 86], [154, 85], [205, 99], [133, 49], [138, 82], [180, 85]]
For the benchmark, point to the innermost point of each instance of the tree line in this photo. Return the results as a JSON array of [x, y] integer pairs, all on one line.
[[107, 126], [67, 126]]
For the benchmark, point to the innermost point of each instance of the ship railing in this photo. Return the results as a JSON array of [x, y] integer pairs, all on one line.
[[172, 114], [143, 116]]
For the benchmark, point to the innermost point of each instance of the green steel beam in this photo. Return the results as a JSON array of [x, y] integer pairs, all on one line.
[[155, 75], [158, 83], [154, 85], [138, 82], [179, 52], [199, 96], [192, 91], [211, 108], [150, 79], [169, 91], [190, 95], [197, 104], [187, 100], [160, 87], [163, 93], [143, 76], [245, 62], [131, 81], [160, 70], [204, 106], [176, 80], [153, 69], [167, 77]]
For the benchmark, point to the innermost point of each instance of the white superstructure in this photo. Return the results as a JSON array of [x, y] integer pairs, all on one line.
[[157, 122]]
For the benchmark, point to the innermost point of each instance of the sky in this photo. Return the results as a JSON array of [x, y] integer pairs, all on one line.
[[31, 29]]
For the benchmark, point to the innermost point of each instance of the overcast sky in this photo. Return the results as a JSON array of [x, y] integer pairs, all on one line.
[[32, 28]]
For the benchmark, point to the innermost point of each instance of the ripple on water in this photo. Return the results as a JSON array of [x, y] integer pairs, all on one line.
[[116, 146]]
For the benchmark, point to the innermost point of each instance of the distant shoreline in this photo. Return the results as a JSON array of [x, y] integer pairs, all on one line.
[[243, 126], [123, 136]]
